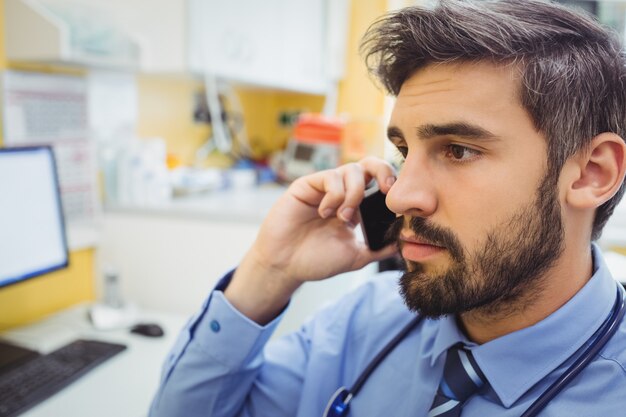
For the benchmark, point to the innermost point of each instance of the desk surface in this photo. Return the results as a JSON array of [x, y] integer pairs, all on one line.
[[123, 386]]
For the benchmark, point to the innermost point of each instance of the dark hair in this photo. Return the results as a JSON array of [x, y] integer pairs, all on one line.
[[572, 68]]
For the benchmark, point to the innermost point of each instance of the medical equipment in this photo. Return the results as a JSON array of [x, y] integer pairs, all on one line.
[[339, 404]]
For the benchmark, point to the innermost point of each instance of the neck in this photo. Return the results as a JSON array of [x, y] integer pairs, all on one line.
[[571, 272]]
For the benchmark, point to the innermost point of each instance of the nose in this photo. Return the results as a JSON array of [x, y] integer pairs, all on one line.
[[413, 194]]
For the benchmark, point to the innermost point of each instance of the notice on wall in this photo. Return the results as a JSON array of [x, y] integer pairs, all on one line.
[[52, 109]]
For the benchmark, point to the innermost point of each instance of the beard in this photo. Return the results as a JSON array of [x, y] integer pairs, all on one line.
[[503, 271]]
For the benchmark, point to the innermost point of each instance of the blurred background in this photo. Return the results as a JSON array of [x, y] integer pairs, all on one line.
[[177, 123]]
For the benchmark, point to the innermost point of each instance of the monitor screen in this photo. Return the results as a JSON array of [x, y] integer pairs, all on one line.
[[32, 229]]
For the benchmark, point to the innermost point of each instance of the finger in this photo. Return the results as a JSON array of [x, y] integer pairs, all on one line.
[[354, 185], [356, 218], [386, 252], [311, 189], [380, 170], [334, 190], [368, 256]]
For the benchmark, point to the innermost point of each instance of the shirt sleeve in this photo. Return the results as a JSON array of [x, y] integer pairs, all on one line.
[[222, 365], [213, 365]]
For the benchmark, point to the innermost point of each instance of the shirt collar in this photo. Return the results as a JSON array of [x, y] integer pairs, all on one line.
[[515, 362]]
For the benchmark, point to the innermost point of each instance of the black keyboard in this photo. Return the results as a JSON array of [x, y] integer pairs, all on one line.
[[32, 382]]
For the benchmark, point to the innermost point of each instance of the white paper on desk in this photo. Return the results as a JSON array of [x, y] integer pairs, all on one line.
[[43, 337]]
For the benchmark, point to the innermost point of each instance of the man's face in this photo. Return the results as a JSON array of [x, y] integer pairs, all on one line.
[[481, 221]]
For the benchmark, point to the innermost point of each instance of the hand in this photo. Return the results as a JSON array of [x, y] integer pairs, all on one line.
[[308, 235]]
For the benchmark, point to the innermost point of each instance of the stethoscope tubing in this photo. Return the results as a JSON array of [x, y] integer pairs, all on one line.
[[606, 331], [343, 396], [383, 354]]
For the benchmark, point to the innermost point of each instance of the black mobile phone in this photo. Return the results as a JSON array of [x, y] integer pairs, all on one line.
[[375, 218]]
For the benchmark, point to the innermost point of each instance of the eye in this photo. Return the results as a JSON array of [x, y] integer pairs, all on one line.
[[460, 153], [398, 156], [403, 150]]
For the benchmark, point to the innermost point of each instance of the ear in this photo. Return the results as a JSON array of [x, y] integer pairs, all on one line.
[[597, 172]]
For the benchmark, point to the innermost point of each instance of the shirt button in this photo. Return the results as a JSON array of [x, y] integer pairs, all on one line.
[[215, 326]]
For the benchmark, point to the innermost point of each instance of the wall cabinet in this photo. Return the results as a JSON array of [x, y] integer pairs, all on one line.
[[146, 35], [288, 44], [158, 26]]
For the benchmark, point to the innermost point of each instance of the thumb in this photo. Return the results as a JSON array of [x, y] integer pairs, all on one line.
[[367, 256]]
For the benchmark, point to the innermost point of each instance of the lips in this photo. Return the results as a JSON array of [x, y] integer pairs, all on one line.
[[417, 249]]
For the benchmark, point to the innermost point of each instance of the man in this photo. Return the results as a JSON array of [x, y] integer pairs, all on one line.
[[510, 116]]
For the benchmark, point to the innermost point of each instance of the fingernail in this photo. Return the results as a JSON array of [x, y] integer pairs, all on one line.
[[326, 213], [347, 213], [390, 181]]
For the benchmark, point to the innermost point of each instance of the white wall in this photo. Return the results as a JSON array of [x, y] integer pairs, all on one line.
[[169, 263]]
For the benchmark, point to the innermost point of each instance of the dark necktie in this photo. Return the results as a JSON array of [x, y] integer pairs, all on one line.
[[461, 379]]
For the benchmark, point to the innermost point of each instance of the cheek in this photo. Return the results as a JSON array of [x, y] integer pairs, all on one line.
[[474, 201]]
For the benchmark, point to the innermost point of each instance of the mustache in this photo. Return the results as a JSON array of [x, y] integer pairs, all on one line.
[[431, 233]]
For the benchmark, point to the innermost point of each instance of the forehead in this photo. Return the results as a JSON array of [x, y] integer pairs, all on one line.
[[479, 91]]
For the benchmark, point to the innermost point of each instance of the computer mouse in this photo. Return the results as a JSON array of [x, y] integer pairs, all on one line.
[[148, 329]]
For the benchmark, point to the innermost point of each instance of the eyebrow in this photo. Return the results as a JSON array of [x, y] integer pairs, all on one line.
[[460, 129]]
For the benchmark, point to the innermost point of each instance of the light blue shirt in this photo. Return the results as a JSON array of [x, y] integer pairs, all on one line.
[[223, 366]]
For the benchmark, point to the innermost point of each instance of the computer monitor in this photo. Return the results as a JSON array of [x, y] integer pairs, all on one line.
[[32, 227]]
